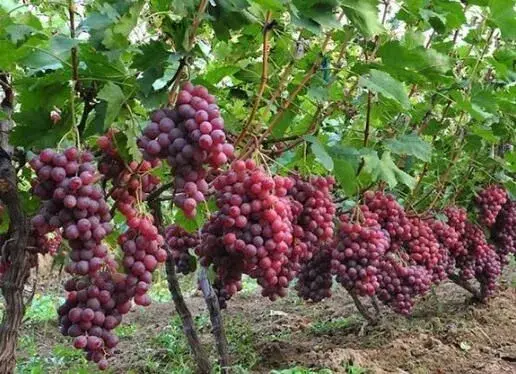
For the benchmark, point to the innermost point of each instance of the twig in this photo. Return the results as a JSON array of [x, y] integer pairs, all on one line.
[[366, 132], [482, 54], [309, 74], [74, 58], [263, 81], [196, 22], [368, 119], [156, 193]]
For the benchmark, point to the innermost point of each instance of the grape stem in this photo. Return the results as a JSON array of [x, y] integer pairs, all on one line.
[[201, 358], [362, 309], [264, 78], [477, 295], [156, 193], [216, 320]]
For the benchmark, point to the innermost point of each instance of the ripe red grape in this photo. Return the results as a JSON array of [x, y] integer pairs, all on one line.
[[190, 137], [490, 201]]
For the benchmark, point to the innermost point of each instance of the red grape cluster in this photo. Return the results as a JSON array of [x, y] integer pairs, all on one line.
[[484, 263], [142, 252], [188, 137], [93, 308], [110, 163], [45, 243], [315, 279], [425, 250], [141, 243], [401, 283], [361, 244], [504, 230], [448, 238], [490, 201], [252, 231], [72, 201], [457, 218], [391, 216], [132, 182], [180, 242], [313, 208]]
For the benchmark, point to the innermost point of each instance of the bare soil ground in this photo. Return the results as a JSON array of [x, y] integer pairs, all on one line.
[[446, 334]]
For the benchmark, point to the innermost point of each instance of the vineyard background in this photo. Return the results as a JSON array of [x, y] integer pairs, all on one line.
[[411, 98]]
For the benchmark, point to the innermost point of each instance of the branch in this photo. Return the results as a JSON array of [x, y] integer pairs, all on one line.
[[156, 193], [466, 285], [196, 22], [368, 119], [362, 309], [200, 356], [75, 58], [263, 82], [216, 320], [15, 243]]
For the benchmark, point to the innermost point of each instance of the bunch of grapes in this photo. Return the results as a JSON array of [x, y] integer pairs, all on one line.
[[132, 182], [45, 243], [188, 137], [400, 284], [448, 238], [315, 279], [141, 243], [142, 252], [360, 246], [503, 232], [110, 163], [457, 218], [74, 203], [425, 250], [313, 207], [252, 231], [180, 242], [391, 216], [483, 261], [93, 308], [490, 201]]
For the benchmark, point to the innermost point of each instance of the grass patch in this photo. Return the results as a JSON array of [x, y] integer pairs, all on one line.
[[43, 308], [125, 330], [301, 370], [64, 360], [330, 326], [171, 352], [241, 340]]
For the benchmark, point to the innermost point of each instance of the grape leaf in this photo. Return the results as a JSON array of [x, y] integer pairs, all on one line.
[[385, 169], [320, 152], [364, 15], [410, 144], [345, 174], [382, 83], [504, 16], [113, 95]]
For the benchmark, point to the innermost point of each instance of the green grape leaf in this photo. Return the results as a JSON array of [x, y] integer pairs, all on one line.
[[504, 16], [345, 174], [113, 95], [321, 155], [384, 84], [410, 144], [364, 15]]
